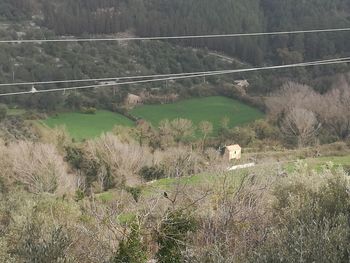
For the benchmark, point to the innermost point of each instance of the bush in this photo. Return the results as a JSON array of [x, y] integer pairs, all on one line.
[[40, 168], [173, 235], [309, 224], [112, 163], [178, 162], [36, 246], [243, 135], [264, 130], [131, 250], [135, 192], [88, 110], [151, 173]]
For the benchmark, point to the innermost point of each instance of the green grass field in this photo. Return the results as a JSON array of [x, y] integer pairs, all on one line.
[[84, 126], [212, 109]]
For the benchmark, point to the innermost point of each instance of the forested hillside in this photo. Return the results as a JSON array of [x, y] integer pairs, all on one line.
[[167, 17], [52, 19]]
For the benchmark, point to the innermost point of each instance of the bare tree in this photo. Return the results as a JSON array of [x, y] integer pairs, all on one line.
[[179, 161], [292, 95], [301, 124], [332, 108], [118, 161], [335, 109], [178, 130], [296, 107], [40, 168]]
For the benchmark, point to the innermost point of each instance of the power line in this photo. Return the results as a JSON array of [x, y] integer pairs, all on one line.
[[97, 79], [177, 37], [209, 73], [132, 77]]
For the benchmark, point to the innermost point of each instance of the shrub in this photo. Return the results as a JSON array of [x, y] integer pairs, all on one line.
[[113, 163], [131, 249], [173, 235], [151, 173], [264, 130], [40, 168], [243, 135], [88, 110], [135, 192], [309, 224], [178, 162], [36, 246]]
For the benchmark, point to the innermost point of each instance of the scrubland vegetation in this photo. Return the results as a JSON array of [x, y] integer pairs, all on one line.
[[143, 193], [163, 193], [85, 177], [55, 208]]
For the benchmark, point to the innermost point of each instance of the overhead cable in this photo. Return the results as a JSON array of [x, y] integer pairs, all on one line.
[[207, 36], [116, 79], [209, 73]]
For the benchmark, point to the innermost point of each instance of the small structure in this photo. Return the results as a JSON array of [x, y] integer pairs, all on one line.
[[33, 90], [242, 83], [233, 152], [133, 99]]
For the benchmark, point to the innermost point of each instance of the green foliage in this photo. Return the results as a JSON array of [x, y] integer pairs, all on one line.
[[184, 17], [172, 236], [131, 249], [309, 225], [243, 135], [74, 156], [88, 110], [152, 173], [35, 247], [211, 109], [78, 159], [264, 130], [135, 192], [79, 195]]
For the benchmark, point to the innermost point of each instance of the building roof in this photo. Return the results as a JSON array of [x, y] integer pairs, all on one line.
[[234, 147]]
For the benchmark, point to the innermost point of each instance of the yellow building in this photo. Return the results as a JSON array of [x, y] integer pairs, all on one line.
[[233, 152]]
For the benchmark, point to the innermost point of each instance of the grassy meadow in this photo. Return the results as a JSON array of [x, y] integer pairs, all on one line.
[[212, 109], [84, 126]]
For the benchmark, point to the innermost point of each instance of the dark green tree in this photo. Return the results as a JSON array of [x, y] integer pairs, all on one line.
[[173, 235], [131, 249]]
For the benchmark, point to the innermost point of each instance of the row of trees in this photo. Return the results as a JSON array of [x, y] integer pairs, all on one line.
[[304, 115]]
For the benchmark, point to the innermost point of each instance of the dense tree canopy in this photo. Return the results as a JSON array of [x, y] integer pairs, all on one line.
[[51, 19], [167, 17]]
